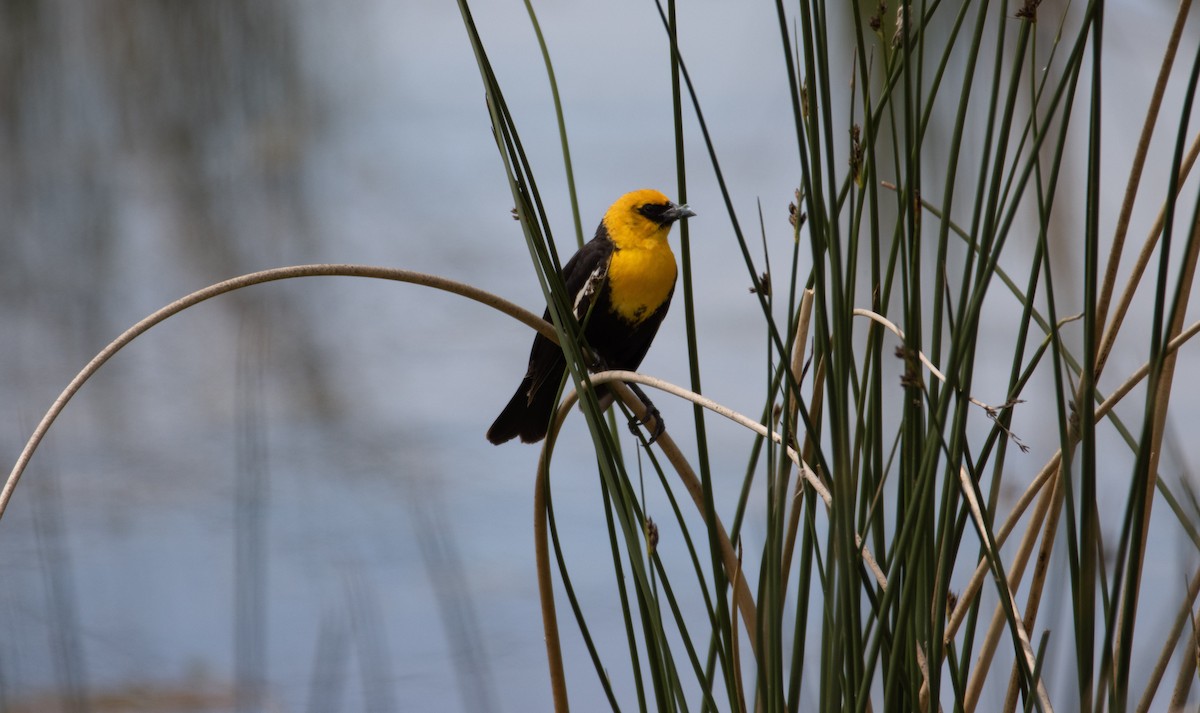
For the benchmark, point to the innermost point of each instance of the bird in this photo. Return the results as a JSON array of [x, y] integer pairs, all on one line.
[[620, 285]]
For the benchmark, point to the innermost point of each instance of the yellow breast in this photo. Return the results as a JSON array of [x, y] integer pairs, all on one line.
[[640, 277]]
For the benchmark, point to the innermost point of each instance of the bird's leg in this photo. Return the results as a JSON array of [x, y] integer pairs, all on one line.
[[651, 413], [598, 365]]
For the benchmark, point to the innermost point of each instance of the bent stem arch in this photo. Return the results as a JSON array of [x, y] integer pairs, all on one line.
[[255, 278]]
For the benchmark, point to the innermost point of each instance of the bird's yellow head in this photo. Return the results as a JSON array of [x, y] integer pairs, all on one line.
[[641, 216]]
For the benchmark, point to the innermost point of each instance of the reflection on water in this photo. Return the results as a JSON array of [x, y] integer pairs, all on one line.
[[283, 499]]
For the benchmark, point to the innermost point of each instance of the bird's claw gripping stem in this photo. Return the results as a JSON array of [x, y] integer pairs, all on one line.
[[652, 413]]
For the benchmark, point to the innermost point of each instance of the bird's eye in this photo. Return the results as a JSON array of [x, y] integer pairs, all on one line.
[[652, 211]]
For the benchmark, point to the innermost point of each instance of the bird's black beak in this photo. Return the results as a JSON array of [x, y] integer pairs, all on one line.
[[675, 212]]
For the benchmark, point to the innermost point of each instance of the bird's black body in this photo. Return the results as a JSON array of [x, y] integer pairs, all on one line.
[[616, 342], [620, 286]]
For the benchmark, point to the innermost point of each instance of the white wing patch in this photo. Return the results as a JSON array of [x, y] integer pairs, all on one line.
[[595, 281]]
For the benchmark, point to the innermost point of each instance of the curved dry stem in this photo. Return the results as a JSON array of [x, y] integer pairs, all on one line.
[[558, 678], [255, 278], [891, 327], [619, 376]]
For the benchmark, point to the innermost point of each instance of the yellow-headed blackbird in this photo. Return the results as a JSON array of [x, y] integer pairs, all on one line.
[[629, 271]]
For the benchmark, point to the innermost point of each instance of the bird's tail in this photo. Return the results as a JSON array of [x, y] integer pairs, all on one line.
[[525, 415]]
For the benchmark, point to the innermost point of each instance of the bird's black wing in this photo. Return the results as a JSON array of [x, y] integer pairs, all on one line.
[[528, 412], [584, 276]]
